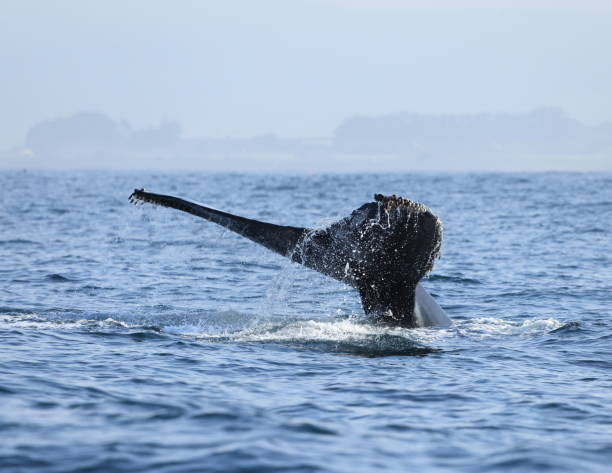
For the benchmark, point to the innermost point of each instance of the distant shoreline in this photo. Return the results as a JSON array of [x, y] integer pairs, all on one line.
[[540, 140]]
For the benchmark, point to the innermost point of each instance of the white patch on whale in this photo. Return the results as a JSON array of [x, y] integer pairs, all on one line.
[[427, 311]]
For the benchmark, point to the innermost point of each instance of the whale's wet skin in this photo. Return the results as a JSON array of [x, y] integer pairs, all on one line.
[[383, 250], [147, 340]]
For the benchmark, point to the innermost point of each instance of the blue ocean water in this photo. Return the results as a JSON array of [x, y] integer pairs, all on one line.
[[144, 339]]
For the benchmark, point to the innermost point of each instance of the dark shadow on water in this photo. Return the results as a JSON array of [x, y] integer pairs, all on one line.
[[568, 327], [454, 279], [371, 347]]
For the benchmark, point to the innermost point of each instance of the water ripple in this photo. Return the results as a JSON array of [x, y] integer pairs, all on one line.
[[139, 339]]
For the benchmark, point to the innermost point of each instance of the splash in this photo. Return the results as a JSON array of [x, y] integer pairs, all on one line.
[[349, 335], [37, 322], [491, 327]]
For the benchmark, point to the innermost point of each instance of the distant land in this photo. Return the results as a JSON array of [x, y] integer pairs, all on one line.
[[540, 140]]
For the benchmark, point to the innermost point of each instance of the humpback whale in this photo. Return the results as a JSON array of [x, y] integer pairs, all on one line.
[[382, 249]]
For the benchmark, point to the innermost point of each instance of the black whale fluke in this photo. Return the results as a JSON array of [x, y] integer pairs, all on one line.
[[277, 238], [382, 249]]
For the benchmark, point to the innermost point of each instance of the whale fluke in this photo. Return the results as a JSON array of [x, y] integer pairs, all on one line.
[[383, 249], [278, 238]]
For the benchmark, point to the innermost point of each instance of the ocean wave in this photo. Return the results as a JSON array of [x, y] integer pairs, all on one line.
[[353, 335], [487, 327]]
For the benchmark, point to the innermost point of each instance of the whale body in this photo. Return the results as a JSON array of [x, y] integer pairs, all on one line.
[[383, 250]]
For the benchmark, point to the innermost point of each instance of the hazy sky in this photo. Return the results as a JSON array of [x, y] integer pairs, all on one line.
[[298, 68]]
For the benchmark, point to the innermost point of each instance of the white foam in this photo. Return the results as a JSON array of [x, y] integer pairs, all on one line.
[[331, 330], [237, 327], [485, 327], [34, 321]]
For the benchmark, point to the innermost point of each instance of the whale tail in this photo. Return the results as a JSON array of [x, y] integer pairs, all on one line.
[[383, 249], [278, 238]]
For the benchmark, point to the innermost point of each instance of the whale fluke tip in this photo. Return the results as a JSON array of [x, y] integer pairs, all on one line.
[[139, 196], [136, 196]]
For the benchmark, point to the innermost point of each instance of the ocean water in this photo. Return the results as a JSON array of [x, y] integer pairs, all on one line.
[[144, 339]]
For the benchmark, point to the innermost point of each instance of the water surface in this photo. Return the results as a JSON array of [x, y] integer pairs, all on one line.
[[144, 339]]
